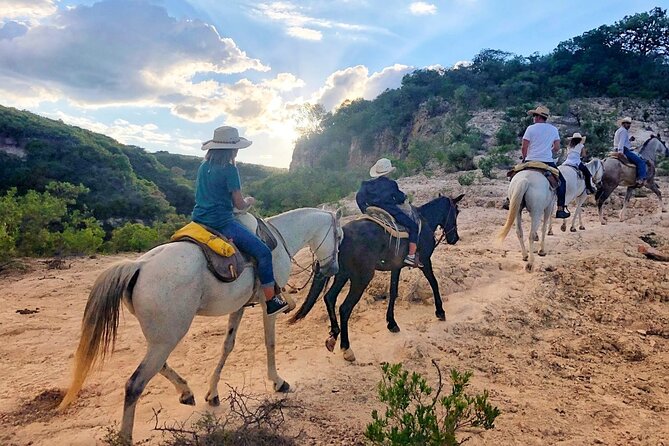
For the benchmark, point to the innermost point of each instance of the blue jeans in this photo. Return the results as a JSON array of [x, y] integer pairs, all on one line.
[[248, 243], [639, 162], [561, 189], [405, 221]]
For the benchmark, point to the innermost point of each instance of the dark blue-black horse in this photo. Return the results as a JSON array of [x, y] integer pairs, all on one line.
[[367, 248]]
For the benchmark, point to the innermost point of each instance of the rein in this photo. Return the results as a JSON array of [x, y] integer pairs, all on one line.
[[444, 232]]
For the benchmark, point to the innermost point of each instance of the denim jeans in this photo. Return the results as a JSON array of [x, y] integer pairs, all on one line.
[[248, 243], [639, 162], [562, 188]]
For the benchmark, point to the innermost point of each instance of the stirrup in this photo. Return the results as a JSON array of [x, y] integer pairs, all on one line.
[[414, 263]]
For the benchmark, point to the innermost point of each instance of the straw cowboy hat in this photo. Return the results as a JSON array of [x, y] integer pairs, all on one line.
[[226, 137], [382, 167], [540, 110], [625, 120], [577, 135]]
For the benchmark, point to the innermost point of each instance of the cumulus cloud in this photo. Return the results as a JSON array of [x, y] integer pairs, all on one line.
[[462, 64], [115, 50], [422, 8], [355, 82], [26, 9]]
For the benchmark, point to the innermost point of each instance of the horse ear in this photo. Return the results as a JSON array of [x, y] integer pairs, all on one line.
[[458, 198], [440, 195], [338, 213]]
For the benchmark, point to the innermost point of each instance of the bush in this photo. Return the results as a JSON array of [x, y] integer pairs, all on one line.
[[134, 237], [467, 179], [414, 416]]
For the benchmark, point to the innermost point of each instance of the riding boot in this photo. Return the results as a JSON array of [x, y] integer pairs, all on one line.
[[588, 179]]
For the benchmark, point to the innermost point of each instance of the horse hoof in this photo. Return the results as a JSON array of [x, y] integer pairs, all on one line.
[[542, 253], [536, 237], [394, 328], [582, 228], [525, 258], [330, 343], [563, 228], [572, 229], [550, 232], [440, 315], [283, 388], [213, 402], [529, 267], [187, 399], [349, 355]]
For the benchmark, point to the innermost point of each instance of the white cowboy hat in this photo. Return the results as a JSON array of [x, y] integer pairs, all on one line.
[[382, 167], [540, 110], [625, 120], [577, 135], [226, 137]]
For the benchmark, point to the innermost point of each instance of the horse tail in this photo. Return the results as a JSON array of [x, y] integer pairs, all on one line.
[[515, 200], [100, 322], [319, 283]]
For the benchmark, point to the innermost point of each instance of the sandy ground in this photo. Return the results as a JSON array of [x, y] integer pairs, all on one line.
[[574, 353]]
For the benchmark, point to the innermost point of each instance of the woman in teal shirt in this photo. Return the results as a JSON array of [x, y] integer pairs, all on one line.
[[217, 192]]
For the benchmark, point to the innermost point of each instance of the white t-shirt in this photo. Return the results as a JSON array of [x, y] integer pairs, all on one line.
[[541, 137], [574, 156], [621, 140]]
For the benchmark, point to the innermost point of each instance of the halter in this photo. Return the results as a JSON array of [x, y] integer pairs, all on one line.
[[444, 232]]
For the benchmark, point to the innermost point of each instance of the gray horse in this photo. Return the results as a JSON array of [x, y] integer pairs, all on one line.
[[618, 174]]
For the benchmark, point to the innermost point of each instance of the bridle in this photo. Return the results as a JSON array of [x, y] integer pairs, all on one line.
[[444, 232]]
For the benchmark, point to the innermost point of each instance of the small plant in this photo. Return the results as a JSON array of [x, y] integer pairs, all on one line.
[[417, 415], [467, 179]]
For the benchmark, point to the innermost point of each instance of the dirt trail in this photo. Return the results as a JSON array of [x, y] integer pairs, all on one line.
[[575, 353]]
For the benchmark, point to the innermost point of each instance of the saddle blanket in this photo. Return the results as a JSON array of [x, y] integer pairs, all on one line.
[[199, 233], [552, 174]]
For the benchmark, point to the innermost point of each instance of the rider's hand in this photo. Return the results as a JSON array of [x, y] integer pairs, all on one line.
[[250, 201]]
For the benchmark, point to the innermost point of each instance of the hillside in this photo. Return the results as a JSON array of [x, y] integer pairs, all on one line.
[[125, 182], [452, 115]]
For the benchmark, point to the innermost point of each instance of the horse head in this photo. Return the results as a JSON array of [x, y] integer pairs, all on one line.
[[443, 211], [654, 147]]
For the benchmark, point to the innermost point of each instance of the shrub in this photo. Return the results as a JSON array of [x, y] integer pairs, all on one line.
[[416, 415], [134, 237], [467, 179]]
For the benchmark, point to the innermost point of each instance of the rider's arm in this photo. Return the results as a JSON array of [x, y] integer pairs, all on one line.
[[524, 147], [556, 146], [240, 202]]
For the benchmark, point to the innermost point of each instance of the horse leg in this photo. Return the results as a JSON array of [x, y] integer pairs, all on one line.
[[390, 312], [269, 323], [628, 195], [550, 224], [601, 196], [429, 275], [653, 186], [519, 234], [534, 225], [358, 286], [180, 384], [233, 325], [547, 216], [154, 360], [330, 299]]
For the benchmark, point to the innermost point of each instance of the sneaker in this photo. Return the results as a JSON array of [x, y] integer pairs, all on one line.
[[562, 214], [413, 262], [276, 305]]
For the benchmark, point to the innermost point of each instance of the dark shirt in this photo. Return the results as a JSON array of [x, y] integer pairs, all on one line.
[[213, 194], [379, 192]]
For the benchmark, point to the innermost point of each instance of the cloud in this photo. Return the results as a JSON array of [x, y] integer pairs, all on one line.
[[304, 33], [355, 82], [422, 8], [114, 51], [26, 9], [462, 64]]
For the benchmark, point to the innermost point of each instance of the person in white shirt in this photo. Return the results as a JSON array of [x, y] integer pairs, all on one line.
[[622, 143], [540, 142], [576, 150]]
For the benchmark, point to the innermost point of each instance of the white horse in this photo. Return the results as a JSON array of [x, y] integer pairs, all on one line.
[[529, 189], [576, 191], [166, 287]]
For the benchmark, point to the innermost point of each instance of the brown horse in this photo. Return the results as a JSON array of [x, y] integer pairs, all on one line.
[[617, 174]]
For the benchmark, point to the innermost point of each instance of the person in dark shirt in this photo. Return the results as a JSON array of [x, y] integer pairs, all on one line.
[[217, 191], [384, 193]]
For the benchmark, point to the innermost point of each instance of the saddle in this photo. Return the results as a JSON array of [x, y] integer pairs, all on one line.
[[224, 260], [388, 222], [579, 174], [622, 158], [551, 173]]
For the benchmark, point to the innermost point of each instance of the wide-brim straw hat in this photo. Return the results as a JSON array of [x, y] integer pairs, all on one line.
[[381, 167], [226, 137], [576, 136], [540, 110], [624, 120]]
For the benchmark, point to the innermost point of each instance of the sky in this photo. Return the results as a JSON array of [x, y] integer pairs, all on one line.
[[163, 74]]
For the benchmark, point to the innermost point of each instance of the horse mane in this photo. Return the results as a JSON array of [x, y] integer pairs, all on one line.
[[429, 210], [644, 147]]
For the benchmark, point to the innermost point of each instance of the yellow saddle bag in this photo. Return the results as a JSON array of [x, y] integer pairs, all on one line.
[[197, 232]]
